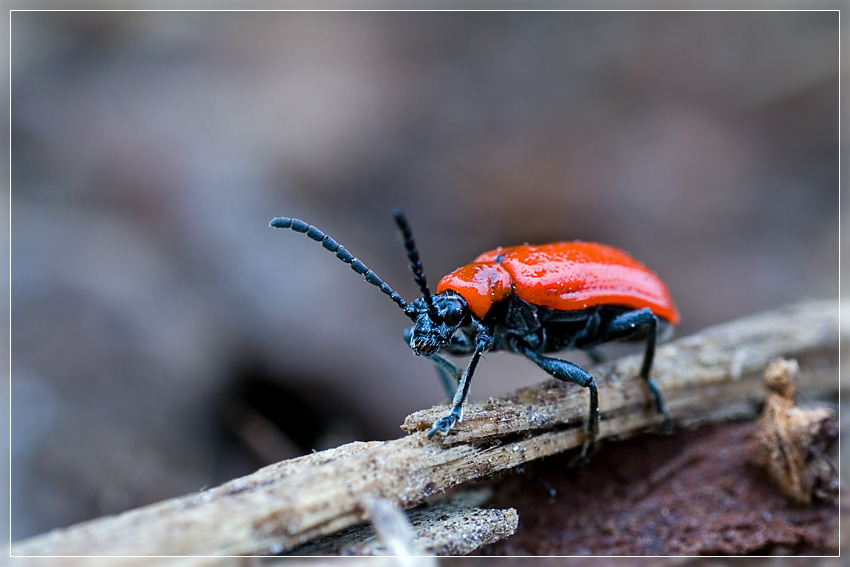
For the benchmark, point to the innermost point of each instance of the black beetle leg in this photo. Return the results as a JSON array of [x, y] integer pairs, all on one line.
[[569, 372], [483, 343], [627, 324]]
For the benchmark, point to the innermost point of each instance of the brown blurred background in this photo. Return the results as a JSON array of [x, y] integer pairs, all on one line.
[[165, 339]]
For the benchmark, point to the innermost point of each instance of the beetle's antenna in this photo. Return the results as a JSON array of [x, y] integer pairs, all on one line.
[[332, 245], [413, 257]]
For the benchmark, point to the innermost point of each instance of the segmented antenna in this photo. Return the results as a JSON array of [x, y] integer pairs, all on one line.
[[413, 257], [332, 245]]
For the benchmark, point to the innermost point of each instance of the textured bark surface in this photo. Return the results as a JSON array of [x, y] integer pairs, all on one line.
[[695, 492], [452, 526]]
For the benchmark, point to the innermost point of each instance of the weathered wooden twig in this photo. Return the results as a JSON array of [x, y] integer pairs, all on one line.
[[708, 375], [293, 502], [451, 526]]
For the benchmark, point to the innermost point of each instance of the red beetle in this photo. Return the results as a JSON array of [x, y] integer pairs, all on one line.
[[529, 300]]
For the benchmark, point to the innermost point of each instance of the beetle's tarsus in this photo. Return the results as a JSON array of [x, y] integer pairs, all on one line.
[[444, 424]]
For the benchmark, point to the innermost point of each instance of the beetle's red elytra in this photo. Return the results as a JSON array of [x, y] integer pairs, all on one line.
[[529, 300], [562, 275]]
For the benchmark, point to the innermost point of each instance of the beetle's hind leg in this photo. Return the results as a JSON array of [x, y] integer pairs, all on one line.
[[627, 324], [569, 372]]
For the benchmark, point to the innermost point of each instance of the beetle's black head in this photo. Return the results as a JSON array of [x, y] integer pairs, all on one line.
[[436, 323]]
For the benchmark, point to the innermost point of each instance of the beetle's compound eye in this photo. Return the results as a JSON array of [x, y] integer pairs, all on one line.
[[451, 309], [453, 316]]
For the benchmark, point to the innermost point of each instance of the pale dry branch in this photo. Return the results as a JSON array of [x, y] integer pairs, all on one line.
[[285, 505], [451, 526]]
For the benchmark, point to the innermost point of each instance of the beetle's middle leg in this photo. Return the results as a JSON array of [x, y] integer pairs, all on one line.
[[628, 323], [569, 372]]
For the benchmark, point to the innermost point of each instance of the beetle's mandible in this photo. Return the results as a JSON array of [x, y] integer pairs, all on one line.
[[530, 300]]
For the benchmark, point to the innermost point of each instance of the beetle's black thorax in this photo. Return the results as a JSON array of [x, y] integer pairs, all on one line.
[[517, 322]]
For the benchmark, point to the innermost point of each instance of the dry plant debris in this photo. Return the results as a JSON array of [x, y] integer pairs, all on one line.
[[793, 443]]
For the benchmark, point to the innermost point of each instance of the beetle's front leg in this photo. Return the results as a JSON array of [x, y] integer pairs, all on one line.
[[484, 341]]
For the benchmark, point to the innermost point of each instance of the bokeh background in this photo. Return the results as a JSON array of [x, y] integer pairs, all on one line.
[[165, 339]]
